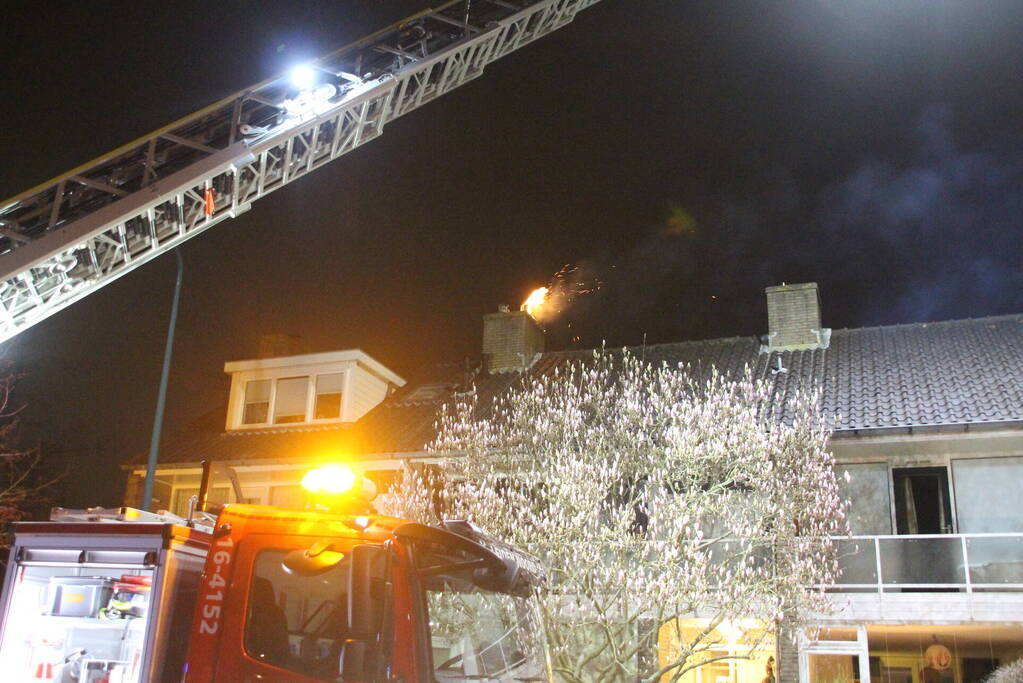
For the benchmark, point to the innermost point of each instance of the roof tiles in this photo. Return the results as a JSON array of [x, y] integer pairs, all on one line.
[[955, 372]]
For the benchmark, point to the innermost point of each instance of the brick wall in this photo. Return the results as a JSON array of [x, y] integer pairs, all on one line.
[[787, 657], [793, 313], [511, 340]]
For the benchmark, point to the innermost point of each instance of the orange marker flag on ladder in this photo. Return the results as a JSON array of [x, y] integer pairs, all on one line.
[[210, 205]]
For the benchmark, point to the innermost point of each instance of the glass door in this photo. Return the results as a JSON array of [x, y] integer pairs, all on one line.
[[834, 655]]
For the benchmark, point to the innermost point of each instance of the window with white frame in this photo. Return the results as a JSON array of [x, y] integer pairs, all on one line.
[[328, 396], [293, 400], [292, 396], [257, 402]]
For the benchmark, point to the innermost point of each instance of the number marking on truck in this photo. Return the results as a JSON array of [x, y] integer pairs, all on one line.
[[221, 558]]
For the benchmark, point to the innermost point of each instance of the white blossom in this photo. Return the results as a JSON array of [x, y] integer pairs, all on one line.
[[649, 494]]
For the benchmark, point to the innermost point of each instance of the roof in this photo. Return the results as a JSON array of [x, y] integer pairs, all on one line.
[[353, 355], [959, 372]]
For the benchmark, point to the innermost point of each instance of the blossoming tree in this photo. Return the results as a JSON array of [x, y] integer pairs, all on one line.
[[651, 495]]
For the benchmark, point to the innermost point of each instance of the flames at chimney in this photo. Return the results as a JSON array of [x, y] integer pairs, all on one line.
[[536, 299]]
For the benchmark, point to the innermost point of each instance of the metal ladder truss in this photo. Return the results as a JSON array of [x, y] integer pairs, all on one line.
[[70, 236]]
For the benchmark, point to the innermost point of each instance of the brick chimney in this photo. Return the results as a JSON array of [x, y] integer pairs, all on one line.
[[794, 318], [279, 345], [512, 341]]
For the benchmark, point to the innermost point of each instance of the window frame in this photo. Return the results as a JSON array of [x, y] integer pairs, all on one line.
[[314, 394], [273, 403], [245, 401], [309, 417]]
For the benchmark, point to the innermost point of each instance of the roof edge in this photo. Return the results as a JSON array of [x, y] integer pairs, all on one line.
[[935, 428], [357, 355]]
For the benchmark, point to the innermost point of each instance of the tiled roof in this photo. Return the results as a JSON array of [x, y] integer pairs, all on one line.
[[946, 373]]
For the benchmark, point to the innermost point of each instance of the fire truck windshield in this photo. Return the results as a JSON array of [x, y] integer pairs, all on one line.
[[481, 635]]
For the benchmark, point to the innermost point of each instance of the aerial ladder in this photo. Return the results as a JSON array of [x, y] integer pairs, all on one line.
[[66, 238]]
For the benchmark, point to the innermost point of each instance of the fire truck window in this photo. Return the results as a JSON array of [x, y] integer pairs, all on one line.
[[478, 634], [295, 622]]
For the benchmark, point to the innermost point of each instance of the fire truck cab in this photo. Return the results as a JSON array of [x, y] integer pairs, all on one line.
[[297, 596]]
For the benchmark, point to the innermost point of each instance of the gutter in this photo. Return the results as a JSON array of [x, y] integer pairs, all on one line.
[[296, 462], [932, 428]]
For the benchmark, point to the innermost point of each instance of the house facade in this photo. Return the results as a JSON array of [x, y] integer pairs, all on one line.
[[928, 436]]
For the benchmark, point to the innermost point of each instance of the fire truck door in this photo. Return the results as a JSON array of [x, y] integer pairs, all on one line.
[[280, 626]]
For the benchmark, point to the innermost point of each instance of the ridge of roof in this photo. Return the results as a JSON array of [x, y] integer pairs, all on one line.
[[568, 353], [934, 323]]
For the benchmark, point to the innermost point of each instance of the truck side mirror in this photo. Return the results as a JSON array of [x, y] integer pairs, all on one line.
[[368, 591], [364, 655]]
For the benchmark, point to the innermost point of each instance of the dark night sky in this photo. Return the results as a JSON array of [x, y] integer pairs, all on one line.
[[685, 154]]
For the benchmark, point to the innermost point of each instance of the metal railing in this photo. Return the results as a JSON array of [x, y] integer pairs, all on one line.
[[935, 562]]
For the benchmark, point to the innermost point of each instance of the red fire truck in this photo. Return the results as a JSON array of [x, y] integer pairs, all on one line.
[[256, 593]]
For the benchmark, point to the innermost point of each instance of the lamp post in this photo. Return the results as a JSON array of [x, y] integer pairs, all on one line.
[[161, 399]]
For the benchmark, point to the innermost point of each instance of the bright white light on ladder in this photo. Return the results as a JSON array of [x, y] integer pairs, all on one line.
[[303, 76]]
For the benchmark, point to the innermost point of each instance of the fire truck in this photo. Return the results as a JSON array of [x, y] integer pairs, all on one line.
[[241, 592], [238, 592]]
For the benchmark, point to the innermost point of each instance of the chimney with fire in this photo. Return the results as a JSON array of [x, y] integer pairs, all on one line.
[[513, 340]]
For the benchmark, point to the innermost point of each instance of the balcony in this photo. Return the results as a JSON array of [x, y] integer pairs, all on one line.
[[944, 562], [956, 576]]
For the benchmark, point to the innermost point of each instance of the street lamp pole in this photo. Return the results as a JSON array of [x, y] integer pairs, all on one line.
[[161, 399]]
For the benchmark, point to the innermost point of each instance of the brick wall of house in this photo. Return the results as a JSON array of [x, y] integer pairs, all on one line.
[[786, 657]]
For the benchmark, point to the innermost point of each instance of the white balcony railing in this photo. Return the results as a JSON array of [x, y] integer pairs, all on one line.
[[941, 562]]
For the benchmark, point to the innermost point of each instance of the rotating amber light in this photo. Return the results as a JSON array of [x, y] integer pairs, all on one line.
[[329, 479]]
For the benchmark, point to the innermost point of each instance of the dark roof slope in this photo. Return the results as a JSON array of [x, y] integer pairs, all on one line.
[[929, 374]]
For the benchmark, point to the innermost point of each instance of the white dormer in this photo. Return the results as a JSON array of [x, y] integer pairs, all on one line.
[[311, 389]]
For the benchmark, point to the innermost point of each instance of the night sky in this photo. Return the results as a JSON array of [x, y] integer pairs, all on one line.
[[681, 155]]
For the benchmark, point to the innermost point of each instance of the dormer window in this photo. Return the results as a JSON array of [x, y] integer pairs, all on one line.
[[257, 402], [328, 396], [291, 400], [317, 389]]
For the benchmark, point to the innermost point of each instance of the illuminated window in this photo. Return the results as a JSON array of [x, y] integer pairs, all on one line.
[[257, 402], [737, 651], [328, 396], [290, 401]]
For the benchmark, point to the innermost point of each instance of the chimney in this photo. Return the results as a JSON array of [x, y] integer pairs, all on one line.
[[279, 345], [512, 340], [794, 318]]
